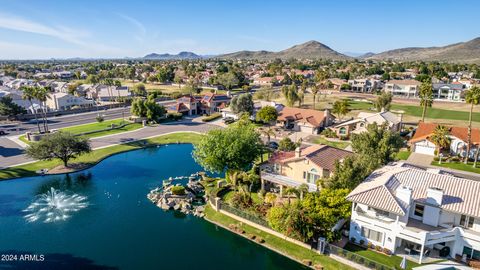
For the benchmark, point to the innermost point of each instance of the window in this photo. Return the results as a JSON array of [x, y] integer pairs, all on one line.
[[312, 176], [372, 234], [466, 221], [342, 131], [419, 208]]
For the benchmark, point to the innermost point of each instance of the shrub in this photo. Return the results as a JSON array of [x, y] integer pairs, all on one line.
[[260, 240], [436, 159], [307, 262], [99, 118], [178, 190], [329, 133], [455, 159], [378, 248], [387, 251], [211, 117], [174, 116], [370, 245]]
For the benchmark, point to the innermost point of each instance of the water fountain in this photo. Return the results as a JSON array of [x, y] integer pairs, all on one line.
[[54, 205]]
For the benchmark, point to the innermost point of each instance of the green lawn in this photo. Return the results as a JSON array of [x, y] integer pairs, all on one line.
[[96, 156], [97, 126], [458, 166], [403, 155], [276, 243], [322, 140], [433, 113], [392, 261]]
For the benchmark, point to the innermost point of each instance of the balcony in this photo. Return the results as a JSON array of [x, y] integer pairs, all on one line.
[[285, 181]]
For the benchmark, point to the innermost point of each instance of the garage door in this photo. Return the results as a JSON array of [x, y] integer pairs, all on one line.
[[427, 150], [306, 129]]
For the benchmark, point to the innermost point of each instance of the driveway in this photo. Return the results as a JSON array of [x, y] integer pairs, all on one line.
[[420, 159]]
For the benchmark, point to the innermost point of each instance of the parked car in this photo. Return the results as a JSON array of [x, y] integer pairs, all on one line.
[[272, 145], [3, 131], [228, 120]]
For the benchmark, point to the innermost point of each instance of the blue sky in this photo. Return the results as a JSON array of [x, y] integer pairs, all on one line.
[[103, 28]]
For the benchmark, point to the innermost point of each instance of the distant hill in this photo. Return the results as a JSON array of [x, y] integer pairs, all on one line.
[[167, 56], [308, 50], [463, 52]]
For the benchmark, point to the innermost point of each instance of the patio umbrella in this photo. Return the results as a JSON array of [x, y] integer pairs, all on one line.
[[403, 264]]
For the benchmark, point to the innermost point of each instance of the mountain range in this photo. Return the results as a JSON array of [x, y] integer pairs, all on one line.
[[463, 52]]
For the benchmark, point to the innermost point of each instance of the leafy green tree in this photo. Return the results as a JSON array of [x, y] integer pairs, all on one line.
[[286, 144], [291, 94], [347, 174], [385, 76], [9, 108], [60, 145], [326, 208], [341, 108], [472, 97], [139, 90], [426, 97], [267, 114], [227, 80], [147, 108], [379, 145], [242, 103], [233, 148], [440, 137], [384, 101], [291, 220]]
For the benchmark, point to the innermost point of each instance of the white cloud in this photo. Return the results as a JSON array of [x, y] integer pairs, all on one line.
[[142, 31], [73, 36]]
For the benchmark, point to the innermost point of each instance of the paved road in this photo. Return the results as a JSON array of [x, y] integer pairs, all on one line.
[[13, 154]]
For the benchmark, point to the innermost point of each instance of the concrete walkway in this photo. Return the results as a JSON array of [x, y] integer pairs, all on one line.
[[19, 158]]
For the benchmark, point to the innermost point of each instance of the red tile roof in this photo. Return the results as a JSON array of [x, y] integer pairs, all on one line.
[[425, 130], [314, 117]]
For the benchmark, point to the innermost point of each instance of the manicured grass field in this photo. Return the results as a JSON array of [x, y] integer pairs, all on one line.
[[403, 155], [392, 261], [322, 140], [276, 243], [433, 113], [97, 126], [96, 156], [458, 166]]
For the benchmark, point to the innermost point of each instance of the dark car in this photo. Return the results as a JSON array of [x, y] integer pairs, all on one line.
[[228, 120], [272, 145]]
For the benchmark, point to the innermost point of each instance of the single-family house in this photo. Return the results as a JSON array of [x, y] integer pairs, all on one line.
[[363, 85], [302, 166], [64, 101], [448, 91], [358, 125], [404, 88], [421, 141], [211, 103], [417, 213], [304, 120], [186, 105]]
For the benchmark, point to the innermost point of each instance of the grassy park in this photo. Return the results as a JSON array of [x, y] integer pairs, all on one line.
[[96, 156]]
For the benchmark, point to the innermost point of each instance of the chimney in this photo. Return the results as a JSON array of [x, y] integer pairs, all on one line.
[[434, 196], [298, 152], [404, 194], [326, 114]]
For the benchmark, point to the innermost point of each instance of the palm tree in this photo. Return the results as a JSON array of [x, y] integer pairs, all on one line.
[[440, 137], [268, 132], [29, 94], [302, 189], [340, 107], [290, 191], [426, 97], [42, 94], [109, 82], [315, 89], [472, 97]]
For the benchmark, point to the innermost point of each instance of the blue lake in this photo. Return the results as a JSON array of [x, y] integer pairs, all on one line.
[[121, 228]]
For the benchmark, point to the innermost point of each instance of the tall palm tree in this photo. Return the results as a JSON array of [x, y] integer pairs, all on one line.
[[268, 132], [29, 94], [315, 89], [472, 97], [440, 137], [109, 83], [42, 94], [426, 97]]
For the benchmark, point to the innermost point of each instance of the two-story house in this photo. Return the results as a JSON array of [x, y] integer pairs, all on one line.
[[186, 105], [302, 166], [64, 101], [211, 103], [363, 85], [405, 88], [416, 212], [448, 91], [304, 120]]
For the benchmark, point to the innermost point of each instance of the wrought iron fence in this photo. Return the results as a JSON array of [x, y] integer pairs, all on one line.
[[351, 256], [242, 214]]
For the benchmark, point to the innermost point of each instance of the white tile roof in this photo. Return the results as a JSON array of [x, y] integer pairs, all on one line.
[[460, 195]]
